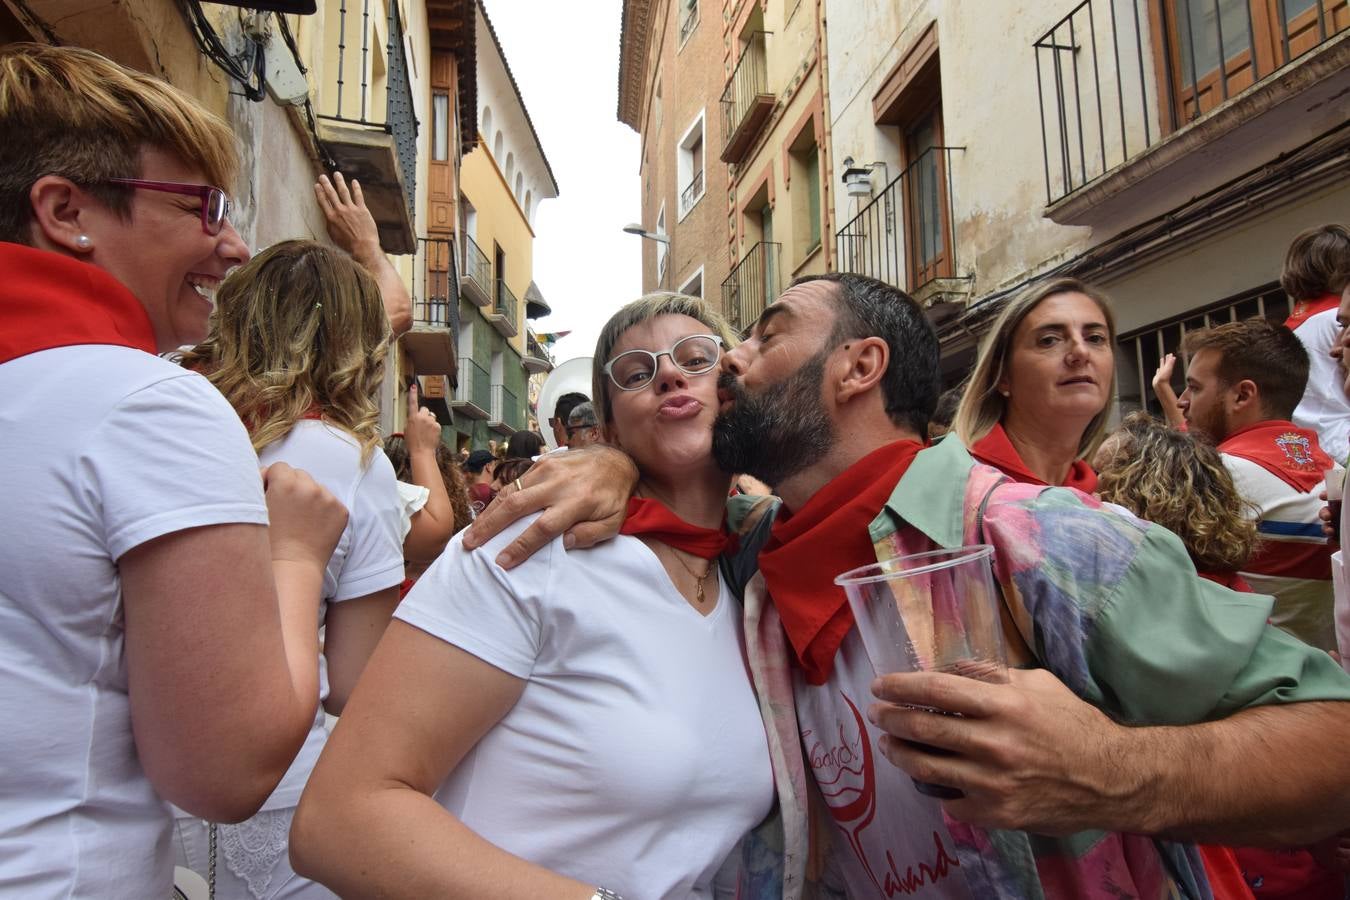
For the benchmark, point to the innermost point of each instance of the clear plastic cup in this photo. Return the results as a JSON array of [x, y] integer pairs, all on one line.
[[931, 612], [1335, 483]]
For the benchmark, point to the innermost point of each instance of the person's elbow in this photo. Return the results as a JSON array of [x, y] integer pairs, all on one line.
[[232, 798], [307, 839]]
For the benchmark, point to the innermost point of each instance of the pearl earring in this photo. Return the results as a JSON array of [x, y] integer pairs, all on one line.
[[84, 242]]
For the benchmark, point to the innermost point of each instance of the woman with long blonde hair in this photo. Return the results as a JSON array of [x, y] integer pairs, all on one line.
[[297, 348], [1037, 403]]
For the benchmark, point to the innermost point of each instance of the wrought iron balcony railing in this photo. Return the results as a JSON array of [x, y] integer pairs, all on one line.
[[746, 101], [536, 350], [369, 91], [435, 287], [477, 271], [507, 306], [689, 196], [1115, 77], [688, 18], [506, 408], [474, 385], [752, 285], [904, 237]]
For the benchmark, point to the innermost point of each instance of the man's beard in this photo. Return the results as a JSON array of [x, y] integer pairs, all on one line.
[[777, 432]]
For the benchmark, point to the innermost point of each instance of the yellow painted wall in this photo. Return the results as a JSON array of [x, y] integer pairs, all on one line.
[[500, 220]]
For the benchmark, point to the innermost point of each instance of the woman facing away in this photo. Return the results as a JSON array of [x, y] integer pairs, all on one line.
[[1178, 480], [583, 725], [1037, 402], [297, 347], [156, 595]]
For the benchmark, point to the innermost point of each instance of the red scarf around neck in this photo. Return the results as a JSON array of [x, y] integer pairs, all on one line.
[[1283, 449], [48, 300], [655, 520], [826, 537], [1306, 309], [995, 449]]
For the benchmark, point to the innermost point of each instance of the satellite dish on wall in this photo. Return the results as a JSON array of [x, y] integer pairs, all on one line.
[[571, 376]]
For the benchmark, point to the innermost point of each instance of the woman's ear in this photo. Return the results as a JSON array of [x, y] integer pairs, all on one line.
[[61, 216]]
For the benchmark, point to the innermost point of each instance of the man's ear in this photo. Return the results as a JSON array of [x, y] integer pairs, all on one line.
[[61, 211], [1244, 395], [864, 363]]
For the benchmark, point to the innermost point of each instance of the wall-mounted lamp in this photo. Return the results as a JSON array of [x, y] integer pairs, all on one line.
[[635, 228]]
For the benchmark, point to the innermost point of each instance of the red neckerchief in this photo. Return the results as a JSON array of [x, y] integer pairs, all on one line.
[[1286, 451], [48, 300], [1231, 580], [996, 450], [827, 536], [655, 520], [1306, 309]]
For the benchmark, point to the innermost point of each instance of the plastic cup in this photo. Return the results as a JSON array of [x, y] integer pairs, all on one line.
[[931, 612]]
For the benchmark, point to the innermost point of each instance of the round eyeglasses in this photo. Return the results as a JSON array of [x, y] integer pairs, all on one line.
[[697, 354], [215, 202]]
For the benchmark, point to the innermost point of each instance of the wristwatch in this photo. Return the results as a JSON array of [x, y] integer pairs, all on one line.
[[605, 894]]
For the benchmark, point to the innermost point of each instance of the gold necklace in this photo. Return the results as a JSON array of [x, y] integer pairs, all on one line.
[[692, 574]]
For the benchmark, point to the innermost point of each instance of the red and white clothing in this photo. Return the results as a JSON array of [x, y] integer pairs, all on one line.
[[1324, 408], [635, 757], [106, 447], [1278, 466], [890, 839]]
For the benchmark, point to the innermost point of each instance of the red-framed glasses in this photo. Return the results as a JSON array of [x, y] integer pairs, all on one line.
[[215, 202]]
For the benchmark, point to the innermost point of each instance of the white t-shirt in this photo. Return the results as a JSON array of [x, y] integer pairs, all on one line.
[[368, 558], [891, 838], [635, 758], [1324, 408], [104, 449]]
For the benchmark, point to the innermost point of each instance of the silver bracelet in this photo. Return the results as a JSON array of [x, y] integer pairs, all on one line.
[[602, 893]]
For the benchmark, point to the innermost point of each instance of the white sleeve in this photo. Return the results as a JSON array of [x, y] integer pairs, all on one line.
[[1324, 407], [467, 600], [375, 560], [412, 497], [168, 457]]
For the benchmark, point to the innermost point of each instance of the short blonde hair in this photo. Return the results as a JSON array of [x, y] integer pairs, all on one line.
[[983, 406], [71, 112], [644, 309], [298, 329], [1177, 479]]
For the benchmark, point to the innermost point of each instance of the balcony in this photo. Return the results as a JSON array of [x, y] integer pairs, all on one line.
[[476, 278], [691, 194], [435, 301], [752, 285], [688, 19], [904, 237], [472, 394], [506, 417], [364, 112], [746, 101], [536, 358], [505, 312], [1166, 99]]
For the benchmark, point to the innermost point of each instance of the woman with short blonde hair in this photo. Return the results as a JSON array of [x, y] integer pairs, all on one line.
[[1039, 398], [154, 644], [550, 744]]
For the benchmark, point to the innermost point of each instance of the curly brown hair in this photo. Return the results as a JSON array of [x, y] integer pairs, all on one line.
[[1177, 479], [396, 448]]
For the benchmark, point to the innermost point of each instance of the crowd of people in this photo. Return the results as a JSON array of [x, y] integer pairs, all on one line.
[[247, 635]]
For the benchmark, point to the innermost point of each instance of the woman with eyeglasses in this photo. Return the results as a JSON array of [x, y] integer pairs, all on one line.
[[583, 725], [156, 634]]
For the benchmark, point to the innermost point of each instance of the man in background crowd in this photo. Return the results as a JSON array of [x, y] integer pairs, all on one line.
[[583, 429], [561, 410], [1310, 279], [1244, 380]]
